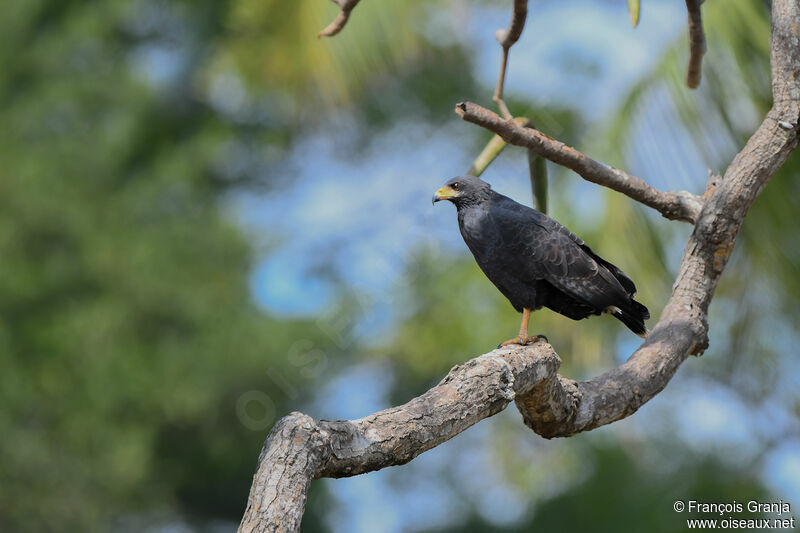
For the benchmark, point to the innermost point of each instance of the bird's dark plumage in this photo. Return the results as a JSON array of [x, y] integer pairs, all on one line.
[[535, 261]]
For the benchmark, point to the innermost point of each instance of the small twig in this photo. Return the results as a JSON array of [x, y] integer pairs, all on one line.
[[536, 165], [507, 38], [498, 90], [490, 152], [341, 19], [675, 205], [697, 43]]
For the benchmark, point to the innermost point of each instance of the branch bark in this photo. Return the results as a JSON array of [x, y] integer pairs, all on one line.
[[675, 205], [491, 151], [697, 43], [537, 168], [507, 38], [341, 19], [300, 449]]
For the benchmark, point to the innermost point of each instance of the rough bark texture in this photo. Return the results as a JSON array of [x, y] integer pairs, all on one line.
[[479, 388], [289, 461], [300, 449]]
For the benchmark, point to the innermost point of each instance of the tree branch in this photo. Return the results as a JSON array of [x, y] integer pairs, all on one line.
[[289, 461], [490, 152], [675, 205], [479, 388], [507, 38], [341, 19], [697, 43], [299, 449], [537, 168]]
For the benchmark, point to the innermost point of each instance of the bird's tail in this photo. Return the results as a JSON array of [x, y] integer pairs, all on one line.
[[633, 315]]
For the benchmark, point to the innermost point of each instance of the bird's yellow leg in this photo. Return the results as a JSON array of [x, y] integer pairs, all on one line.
[[522, 338]]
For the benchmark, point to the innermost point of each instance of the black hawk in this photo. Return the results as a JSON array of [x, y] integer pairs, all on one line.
[[536, 262]]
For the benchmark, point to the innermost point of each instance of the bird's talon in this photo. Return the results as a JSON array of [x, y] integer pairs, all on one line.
[[524, 341], [516, 340]]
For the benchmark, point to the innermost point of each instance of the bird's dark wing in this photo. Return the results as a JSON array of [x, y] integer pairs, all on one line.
[[622, 278], [544, 249]]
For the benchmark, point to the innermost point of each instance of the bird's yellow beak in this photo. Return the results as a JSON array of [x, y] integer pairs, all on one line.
[[445, 193]]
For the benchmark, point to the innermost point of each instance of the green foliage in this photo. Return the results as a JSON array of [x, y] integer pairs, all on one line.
[[128, 336], [272, 44], [127, 331]]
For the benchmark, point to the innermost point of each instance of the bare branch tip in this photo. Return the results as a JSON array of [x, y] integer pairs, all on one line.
[[341, 19], [697, 43], [501, 35]]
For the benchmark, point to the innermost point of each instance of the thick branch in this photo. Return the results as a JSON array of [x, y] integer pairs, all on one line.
[[299, 449], [290, 459], [480, 388], [682, 328], [675, 205], [341, 19], [785, 60], [697, 43]]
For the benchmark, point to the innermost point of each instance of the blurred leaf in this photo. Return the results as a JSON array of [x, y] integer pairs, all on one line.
[[633, 10]]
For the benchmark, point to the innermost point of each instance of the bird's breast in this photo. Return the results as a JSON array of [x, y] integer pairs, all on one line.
[[481, 236], [475, 227]]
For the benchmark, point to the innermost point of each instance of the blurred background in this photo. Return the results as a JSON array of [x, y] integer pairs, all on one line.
[[209, 218]]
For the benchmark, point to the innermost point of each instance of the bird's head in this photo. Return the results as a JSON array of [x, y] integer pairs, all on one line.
[[463, 190]]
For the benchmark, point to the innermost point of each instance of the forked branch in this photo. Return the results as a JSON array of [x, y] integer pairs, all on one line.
[[675, 205], [300, 449]]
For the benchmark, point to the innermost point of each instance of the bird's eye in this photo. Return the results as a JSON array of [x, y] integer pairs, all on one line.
[[454, 186]]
